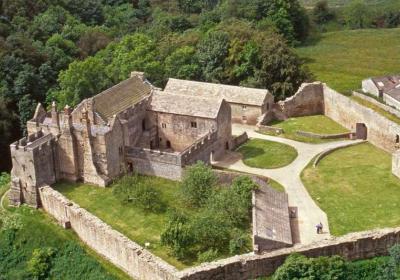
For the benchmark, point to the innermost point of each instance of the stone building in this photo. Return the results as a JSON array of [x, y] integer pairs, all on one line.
[[248, 105], [131, 126]]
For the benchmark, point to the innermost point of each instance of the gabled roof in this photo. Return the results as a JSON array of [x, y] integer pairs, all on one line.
[[187, 105], [232, 94], [121, 96]]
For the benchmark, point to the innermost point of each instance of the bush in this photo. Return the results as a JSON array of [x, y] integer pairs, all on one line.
[[207, 256], [198, 183], [40, 262], [238, 243], [136, 190]]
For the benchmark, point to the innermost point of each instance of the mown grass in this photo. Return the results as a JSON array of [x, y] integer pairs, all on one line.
[[356, 188], [343, 59], [277, 186], [317, 124], [138, 225], [267, 154]]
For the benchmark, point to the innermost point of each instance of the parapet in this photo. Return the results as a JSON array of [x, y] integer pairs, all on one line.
[[32, 142]]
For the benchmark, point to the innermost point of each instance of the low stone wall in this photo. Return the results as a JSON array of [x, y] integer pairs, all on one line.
[[355, 246], [388, 100], [324, 136], [118, 249], [328, 152], [239, 140], [269, 129]]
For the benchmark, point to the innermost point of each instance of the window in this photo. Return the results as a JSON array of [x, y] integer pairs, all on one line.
[[244, 118], [267, 106], [244, 107], [193, 124], [143, 124], [121, 150], [397, 139], [227, 146], [163, 125], [168, 144]]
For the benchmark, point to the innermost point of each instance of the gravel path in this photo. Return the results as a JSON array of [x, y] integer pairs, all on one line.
[[309, 214]]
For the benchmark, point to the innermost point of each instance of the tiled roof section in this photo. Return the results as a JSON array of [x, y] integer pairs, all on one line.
[[185, 105], [272, 215], [395, 93], [232, 94], [386, 83], [120, 97]]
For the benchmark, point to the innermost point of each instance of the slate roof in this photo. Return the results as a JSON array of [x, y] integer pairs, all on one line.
[[187, 105], [386, 83], [272, 215], [232, 94], [395, 93], [121, 96]]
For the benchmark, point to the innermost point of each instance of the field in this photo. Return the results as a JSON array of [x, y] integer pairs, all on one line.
[[356, 188], [317, 124], [343, 59], [266, 154]]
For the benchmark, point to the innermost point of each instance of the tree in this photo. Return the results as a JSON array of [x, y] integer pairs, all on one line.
[[39, 265], [357, 15], [198, 183], [82, 79], [93, 40], [182, 64], [211, 53], [321, 12]]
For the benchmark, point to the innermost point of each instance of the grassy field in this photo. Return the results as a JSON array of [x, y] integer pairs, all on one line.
[[40, 231], [316, 124], [356, 188], [343, 59], [266, 154], [136, 224]]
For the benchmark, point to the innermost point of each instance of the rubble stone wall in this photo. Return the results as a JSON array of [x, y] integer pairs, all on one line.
[[118, 249]]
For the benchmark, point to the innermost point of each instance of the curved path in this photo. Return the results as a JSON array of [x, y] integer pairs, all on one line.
[[309, 214], [2, 199]]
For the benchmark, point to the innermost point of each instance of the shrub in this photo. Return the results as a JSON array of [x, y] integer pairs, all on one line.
[[40, 262], [4, 179], [238, 243], [198, 183], [207, 256]]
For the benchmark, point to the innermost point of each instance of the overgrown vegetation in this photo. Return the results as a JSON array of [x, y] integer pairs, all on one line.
[[33, 247], [267, 154], [300, 267], [185, 231], [356, 189]]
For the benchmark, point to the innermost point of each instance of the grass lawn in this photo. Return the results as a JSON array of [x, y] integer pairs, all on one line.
[[275, 185], [267, 154], [356, 188], [136, 224], [316, 124], [343, 59]]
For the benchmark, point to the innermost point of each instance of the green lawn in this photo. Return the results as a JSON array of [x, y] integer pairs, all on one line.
[[316, 124], [356, 188], [343, 59], [133, 222], [275, 185], [267, 154]]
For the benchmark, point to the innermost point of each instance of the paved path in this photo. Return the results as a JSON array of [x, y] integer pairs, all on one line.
[[309, 214]]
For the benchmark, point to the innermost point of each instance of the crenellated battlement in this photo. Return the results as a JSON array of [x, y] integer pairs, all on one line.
[[33, 142], [199, 145]]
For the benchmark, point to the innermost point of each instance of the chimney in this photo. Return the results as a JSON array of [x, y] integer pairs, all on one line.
[[54, 114]]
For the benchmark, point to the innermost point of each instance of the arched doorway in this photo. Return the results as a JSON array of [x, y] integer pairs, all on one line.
[[361, 131]]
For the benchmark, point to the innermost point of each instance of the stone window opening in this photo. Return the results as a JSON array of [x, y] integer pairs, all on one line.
[[267, 106], [23, 167], [163, 125], [397, 140], [244, 107], [120, 150], [143, 125], [244, 118], [193, 124], [168, 144], [227, 146]]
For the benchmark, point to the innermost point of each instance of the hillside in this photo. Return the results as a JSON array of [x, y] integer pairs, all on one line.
[[342, 59], [339, 3]]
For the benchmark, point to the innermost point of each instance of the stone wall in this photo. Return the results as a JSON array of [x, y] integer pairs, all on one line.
[[392, 102], [324, 136], [382, 132], [239, 140], [387, 100], [308, 100], [354, 246], [118, 249]]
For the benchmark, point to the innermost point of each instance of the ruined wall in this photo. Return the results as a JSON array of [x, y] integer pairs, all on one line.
[[115, 149], [354, 246], [134, 118], [382, 132], [118, 249], [308, 100]]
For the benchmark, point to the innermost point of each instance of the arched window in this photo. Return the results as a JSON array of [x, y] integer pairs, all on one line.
[[397, 139], [168, 144]]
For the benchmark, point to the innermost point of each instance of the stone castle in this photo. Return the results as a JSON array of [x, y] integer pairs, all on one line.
[[132, 126]]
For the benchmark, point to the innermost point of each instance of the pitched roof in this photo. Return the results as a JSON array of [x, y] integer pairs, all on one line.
[[232, 94], [121, 96], [386, 83], [271, 215], [187, 105]]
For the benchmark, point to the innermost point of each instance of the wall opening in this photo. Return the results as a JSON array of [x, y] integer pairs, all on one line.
[[397, 139], [143, 125], [168, 144], [361, 131], [227, 146], [130, 167]]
